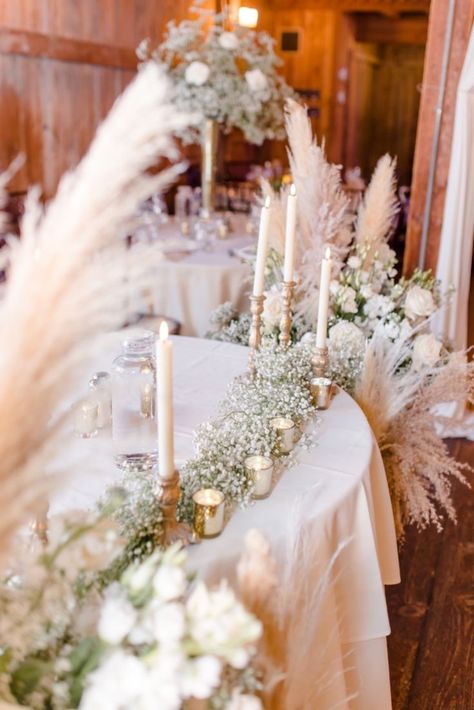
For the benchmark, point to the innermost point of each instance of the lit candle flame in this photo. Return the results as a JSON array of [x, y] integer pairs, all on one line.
[[267, 203], [164, 330], [293, 190], [327, 253]]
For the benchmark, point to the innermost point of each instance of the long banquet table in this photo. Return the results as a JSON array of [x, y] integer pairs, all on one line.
[[334, 500]]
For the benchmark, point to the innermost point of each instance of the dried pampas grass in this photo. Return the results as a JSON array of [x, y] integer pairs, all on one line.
[[378, 208], [66, 280], [294, 608], [400, 403], [324, 217]]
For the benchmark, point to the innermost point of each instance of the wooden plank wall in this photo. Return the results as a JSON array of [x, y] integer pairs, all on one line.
[[62, 64]]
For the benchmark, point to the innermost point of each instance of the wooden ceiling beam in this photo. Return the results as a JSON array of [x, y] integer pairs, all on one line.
[[65, 49]]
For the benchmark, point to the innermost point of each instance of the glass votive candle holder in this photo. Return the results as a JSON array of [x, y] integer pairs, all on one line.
[[286, 431], [260, 468], [86, 418], [209, 507], [101, 392], [321, 390]]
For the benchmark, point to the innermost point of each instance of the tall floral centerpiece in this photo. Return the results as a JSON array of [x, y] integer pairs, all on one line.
[[227, 76]]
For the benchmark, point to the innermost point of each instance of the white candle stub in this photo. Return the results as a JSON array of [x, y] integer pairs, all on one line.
[[209, 508], [261, 470]]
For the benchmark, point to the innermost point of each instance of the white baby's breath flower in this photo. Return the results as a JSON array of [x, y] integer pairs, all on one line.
[[200, 676], [228, 40], [117, 616], [169, 582], [197, 73], [419, 303], [345, 335], [256, 80], [426, 351]]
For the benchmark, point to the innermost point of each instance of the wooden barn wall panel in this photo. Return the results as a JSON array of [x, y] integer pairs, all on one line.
[[51, 107]]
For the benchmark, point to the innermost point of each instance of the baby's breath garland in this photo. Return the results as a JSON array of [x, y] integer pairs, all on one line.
[[240, 429]]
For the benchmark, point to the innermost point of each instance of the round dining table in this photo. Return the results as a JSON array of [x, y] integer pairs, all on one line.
[[328, 520], [194, 277]]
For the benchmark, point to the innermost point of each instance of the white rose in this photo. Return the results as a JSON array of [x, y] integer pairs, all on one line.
[[419, 303], [426, 351], [256, 80], [117, 617], [169, 582], [228, 40], [197, 73], [200, 677], [354, 262], [272, 309]]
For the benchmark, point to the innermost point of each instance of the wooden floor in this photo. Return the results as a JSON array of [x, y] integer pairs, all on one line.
[[431, 648]]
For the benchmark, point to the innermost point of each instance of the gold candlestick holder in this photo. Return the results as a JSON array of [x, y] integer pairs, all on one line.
[[286, 316], [168, 493], [255, 339], [320, 362]]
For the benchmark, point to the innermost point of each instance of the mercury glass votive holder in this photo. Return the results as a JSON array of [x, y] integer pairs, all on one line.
[[321, 389], [286, 431], [209, 508], [260, 468]]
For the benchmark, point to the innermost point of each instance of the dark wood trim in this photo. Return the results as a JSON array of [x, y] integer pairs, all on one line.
[[388, 7], [65, 49]]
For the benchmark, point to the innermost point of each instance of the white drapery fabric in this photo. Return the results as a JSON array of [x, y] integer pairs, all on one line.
[[455, 256], [457, 234]]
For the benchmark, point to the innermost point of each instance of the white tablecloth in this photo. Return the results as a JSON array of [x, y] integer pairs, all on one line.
[[190, 288], [337, 493]]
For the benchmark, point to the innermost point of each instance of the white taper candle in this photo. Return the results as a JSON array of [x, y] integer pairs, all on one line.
[[324, 300], [290, 236], [165, 403], [262, 248]]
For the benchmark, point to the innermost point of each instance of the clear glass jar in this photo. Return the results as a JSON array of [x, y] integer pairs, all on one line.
[[134, 431]]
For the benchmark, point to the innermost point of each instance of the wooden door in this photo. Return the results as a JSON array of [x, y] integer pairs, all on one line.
[[383, 102]]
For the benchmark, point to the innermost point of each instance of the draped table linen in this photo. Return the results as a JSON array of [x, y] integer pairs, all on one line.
[[190, 286], [329, 522]]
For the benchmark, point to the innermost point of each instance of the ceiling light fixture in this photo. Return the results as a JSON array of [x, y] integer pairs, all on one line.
[[247, 17]]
